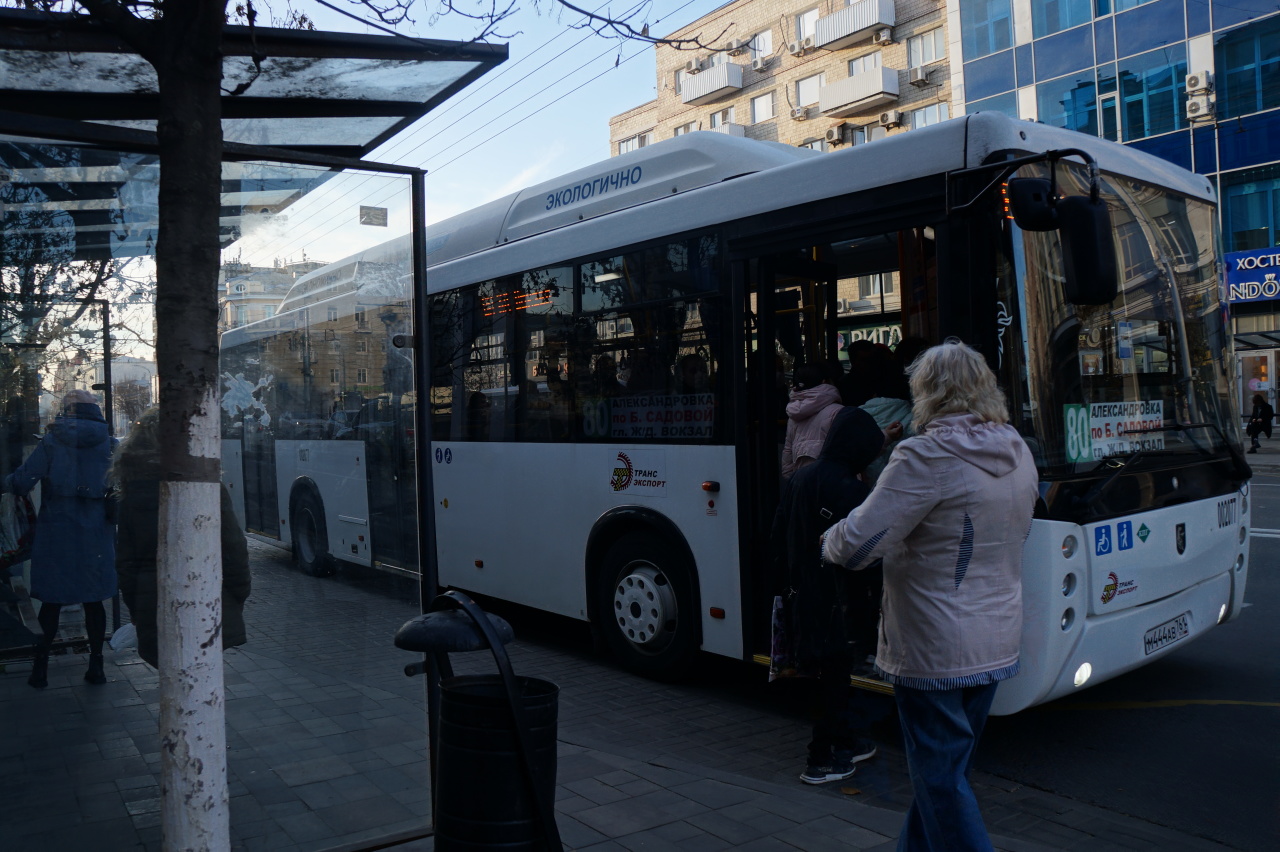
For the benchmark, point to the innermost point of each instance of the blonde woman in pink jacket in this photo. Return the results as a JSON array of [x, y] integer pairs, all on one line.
[[949, 516], [815, 402]]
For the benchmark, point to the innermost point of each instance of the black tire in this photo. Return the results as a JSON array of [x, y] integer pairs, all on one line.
[[310, 537], [645, 605]]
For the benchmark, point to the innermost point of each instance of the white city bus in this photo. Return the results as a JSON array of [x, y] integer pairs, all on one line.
[[611, 351]]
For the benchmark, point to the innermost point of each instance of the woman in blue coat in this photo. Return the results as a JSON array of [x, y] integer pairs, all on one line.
[[73, 555]]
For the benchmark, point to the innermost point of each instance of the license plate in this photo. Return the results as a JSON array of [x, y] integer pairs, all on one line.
[[1171, 631]]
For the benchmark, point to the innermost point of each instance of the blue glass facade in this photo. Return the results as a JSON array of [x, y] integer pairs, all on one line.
[[1118, 69]]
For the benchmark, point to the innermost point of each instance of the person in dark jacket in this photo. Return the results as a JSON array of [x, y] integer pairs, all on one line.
[[1259, 421], [73, 553], [828, 604], [137, 472]]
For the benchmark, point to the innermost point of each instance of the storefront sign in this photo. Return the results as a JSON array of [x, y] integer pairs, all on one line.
[[1251, 275]]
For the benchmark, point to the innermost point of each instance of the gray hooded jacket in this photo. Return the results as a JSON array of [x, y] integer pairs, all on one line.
[[949, 515]]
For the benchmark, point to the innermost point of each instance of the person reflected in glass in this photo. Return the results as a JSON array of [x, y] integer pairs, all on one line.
[[73, 552], [949, 516], [136, 473], [604, 377], [692, 374]]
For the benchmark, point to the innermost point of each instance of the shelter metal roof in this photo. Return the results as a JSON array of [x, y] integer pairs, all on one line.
[[338, 94], [77, 140]]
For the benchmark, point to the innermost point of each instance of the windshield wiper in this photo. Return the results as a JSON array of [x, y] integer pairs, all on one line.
[[1238, 461]]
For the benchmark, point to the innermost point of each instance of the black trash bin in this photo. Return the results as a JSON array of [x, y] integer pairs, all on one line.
[[483, 800], [493, 737]]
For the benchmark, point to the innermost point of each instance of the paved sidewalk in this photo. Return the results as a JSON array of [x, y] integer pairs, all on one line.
[[327, 749]]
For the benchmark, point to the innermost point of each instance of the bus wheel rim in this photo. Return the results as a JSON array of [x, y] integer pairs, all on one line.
[[644, 607]]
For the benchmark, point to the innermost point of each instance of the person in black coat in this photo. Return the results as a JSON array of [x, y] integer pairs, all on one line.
[[830, 606], [1259, 421]]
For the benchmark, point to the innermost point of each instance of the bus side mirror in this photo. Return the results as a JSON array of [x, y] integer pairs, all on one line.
[[1084, 226], [1088, 251]]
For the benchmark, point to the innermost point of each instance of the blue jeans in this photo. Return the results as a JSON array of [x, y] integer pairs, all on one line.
[[940, 731]]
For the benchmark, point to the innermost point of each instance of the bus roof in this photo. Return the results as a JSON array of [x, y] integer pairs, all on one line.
[[611, 203]]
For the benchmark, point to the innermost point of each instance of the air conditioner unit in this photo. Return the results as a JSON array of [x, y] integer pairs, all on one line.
[[737, 46], [1199, 82], [892, 118], [795, 48], [807, 43], [1199, 108], [884, 36], [918, 77], [760, 64], [835, 134], [693, 66], [800, 113]]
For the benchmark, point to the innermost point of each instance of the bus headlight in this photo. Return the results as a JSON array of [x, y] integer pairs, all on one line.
[[1068, 585], [1083, 673], [1068, 619], [1069, 545], [1244, 533], [1239, 561]]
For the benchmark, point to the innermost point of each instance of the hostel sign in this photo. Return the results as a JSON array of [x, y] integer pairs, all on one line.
[[1251, 275]]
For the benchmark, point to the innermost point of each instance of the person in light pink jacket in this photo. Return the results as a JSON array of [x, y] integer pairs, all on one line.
[[815, 402], [949, 516]]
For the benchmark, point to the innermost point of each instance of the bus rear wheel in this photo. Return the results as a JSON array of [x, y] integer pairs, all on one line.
[[310, 537], [644, 599]]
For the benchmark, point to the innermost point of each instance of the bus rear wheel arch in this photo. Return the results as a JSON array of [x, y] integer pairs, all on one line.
[[645, 604], [310, 535]]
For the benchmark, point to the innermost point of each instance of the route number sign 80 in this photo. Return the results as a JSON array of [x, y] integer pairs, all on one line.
[[1079, 435]]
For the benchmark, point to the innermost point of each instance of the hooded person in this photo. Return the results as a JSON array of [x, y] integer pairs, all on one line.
[[828, 604], [137, 472], [949, 516], [73, 552], [814, 401]]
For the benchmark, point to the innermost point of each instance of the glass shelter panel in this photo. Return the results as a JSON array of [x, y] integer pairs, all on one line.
[[317, 444]]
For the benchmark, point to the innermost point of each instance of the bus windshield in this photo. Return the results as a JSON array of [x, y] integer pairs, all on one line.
[[1141, 379]]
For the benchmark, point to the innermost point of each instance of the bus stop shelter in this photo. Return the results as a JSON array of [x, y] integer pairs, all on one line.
[[79, 173]]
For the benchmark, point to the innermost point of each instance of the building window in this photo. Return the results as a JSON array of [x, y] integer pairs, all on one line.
[[679, 80], [362, 318], [362, 376], [268, 311], [815, 144], [635, 143], [986, 27], [1248, 63], [333, 376], [879, 284], [762, 45], [684, 128], [715, 59], [362, 345], [332, 314], [870, 62], [807, 89], [1252, 202], [1069, 102], [926, 48], [762, 108], [721, 118], [925, 116], [241, 312], [806, 22], [1052, 16], [1152, 92], [868, 133]]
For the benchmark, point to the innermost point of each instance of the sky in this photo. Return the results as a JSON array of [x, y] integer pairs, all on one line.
[[542, 113]]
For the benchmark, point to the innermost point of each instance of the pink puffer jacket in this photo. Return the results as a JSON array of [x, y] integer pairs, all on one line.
[[809, 416]]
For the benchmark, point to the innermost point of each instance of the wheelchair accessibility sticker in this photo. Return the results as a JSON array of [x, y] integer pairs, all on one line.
[[1102, 540], [1104, 543]]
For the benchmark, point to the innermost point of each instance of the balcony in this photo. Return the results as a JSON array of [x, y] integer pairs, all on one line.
[[858, 93], [730, 129], [854, 23], [712, 84]]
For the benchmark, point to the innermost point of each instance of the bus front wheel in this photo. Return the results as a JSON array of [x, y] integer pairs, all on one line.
[[310, 538], [644, 599]]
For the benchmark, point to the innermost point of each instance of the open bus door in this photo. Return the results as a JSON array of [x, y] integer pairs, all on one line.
[[789, 316]]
